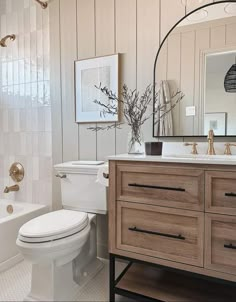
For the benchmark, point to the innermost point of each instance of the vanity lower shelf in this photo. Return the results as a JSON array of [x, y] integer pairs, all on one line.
[[145, 282]]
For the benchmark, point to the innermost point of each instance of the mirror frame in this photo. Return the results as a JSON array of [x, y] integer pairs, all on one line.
[[155, 65]]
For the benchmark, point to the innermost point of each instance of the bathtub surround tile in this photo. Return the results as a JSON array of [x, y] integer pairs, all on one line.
[[25, 105]]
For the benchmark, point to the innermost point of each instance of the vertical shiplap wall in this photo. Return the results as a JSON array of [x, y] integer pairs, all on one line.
[[86, 28], [82, 29], [91, 28], [86, 49], [105, 31], [126, 45]]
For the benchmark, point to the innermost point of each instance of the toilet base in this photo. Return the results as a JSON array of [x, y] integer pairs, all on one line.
[[90, 271], [57, 284], [52, 283]]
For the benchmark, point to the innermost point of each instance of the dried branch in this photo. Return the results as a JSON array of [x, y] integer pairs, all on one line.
[[109, 127], [134, 107]]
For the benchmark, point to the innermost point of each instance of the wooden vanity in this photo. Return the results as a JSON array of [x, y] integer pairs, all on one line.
[[172, 218]]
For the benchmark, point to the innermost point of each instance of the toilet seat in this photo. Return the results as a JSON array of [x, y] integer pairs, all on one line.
[[53, 226]]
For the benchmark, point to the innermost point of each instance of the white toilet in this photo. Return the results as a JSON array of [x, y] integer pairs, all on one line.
[[62, 245]]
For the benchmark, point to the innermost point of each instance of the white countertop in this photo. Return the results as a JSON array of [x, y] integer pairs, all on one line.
[[199, 159]]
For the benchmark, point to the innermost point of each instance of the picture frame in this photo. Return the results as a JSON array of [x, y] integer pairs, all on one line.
[[216, 121], [90, 73]]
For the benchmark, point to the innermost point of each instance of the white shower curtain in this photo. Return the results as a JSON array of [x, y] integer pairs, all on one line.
[[165, 126]]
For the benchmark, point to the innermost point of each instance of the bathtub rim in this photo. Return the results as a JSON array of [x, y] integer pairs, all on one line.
[[26, 208]]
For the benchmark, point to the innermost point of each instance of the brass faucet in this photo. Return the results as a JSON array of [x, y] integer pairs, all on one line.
[[228, 148], [211, 149], [14, 188], [194, 147]]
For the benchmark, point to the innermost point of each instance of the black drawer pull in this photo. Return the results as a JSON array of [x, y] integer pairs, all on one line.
[[230, 246], [157, 187], [230, 194], [134, 229]]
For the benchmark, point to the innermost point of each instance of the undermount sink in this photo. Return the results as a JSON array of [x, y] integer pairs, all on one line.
[[202, 157]]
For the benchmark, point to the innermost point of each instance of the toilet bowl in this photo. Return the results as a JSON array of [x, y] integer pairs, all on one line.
[[51, 248], [62, 245]]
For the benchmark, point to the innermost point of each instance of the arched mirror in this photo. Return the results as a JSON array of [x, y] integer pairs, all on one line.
[[198, 58]]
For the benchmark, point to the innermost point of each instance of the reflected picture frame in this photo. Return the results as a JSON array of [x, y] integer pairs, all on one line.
[[216, 121], [90, 74]]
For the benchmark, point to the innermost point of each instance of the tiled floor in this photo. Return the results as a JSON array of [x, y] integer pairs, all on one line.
[[15, 285]]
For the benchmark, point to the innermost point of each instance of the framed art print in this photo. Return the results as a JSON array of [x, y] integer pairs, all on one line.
[[89, 74]]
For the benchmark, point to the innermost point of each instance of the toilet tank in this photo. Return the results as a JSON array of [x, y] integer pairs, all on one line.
[[79, 189]]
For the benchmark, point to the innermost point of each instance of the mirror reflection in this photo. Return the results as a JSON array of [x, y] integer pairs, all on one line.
[[199, 59]]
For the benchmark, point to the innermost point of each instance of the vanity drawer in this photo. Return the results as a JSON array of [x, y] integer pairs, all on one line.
[[220, 242], [221, 192], [170, 234], [164, 186]]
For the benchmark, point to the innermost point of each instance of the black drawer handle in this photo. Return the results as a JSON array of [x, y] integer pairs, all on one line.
[[230, 246], [157, 187], [230, 194], [134, 229]]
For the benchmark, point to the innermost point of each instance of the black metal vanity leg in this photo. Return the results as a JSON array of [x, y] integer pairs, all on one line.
[[112, 278]]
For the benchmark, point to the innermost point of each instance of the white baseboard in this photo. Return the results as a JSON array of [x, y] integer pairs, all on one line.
[[6, 265]]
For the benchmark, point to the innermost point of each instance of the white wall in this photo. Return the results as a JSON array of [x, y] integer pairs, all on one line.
[[217, 100], [25, 105]]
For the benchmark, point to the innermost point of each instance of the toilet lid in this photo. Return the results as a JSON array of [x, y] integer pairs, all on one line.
[[53, 226]]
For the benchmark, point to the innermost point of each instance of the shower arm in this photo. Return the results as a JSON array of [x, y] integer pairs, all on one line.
[[43, 4], [3, 40]]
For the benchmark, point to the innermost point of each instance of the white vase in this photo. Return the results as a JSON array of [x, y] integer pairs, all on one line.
[[135, 142]]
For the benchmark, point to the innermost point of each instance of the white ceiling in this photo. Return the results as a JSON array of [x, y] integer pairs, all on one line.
[[215, 12]]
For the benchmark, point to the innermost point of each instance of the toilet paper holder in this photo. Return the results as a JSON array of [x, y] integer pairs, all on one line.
[[106, 175]]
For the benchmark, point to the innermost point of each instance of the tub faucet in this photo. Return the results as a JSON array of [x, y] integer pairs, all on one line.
[[14, 188], [211, 149]]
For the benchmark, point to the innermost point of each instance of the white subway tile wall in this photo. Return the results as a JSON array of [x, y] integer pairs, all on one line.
[[25, 108]]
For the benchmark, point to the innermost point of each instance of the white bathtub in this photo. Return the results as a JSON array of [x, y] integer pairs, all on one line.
[[9, 227]]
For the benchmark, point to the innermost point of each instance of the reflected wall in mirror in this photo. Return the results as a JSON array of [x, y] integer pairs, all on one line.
[[220, 105], [198, 57]]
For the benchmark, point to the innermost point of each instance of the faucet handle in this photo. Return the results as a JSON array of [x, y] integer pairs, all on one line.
[[228, 148], [194, 149]]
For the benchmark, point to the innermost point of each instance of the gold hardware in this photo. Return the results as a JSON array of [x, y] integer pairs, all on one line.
[[194, 150], [3, 40], [10, 209], [17, 172], [42, 3], [14, 188], [228, 149], [211, 149], [61, 176]]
